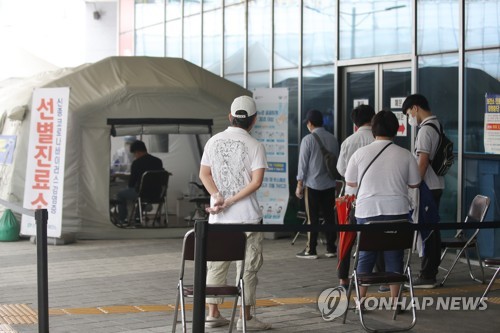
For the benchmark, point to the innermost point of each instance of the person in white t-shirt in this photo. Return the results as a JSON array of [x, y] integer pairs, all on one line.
[[232, 170], [361, 117], [383, 191], [417, 108]]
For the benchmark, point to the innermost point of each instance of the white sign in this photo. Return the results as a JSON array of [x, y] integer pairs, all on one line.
[[358, 102], [46, 155], [271, 129], [403, 123], [492, 124], [397, 102]]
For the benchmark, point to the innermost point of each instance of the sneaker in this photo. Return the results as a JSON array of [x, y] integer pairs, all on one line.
[[307, 254], [253, 324], [211, 322], [331, 254], [384, 288], [421, 283]]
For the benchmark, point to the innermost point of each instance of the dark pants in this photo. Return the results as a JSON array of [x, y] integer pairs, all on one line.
[[125, 196], [432, 254], [320, 201]]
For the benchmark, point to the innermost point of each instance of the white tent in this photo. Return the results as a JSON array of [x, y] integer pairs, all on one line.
[[134, 94]]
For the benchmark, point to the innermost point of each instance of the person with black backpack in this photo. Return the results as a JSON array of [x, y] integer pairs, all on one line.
[[417, 109], [316, 181]]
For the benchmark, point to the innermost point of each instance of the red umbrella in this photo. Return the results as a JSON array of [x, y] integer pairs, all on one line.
[[346, 238]]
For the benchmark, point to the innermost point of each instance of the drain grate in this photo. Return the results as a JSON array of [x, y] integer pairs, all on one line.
[[17, 314]]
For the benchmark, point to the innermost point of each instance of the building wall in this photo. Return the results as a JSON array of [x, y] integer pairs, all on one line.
[[305, 45]]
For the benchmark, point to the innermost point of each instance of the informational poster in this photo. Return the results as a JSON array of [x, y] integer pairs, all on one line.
[[7, 147], [492, 124], [46, 155], [403, 123], [396, 105], [272, 130]]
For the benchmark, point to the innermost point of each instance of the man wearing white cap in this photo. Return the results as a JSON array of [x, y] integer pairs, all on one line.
[[232, 170], [123, 158]]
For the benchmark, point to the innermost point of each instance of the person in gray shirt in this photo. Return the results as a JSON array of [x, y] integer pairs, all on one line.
[[315, 185]]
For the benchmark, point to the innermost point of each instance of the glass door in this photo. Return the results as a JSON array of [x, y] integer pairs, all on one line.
[[383, 86]]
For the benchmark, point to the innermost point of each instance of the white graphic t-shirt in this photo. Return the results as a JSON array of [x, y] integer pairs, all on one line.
[[232, 155]]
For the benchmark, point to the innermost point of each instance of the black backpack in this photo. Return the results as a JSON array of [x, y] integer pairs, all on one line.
[[329, 158], [444, 158]]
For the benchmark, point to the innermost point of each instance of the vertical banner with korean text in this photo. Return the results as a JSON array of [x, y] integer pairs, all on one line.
[[271, 129], [46, 155], [492, 124]]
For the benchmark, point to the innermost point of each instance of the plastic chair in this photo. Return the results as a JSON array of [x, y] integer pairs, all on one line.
[[383, 241], [221, 246], [339, 191], [491, 262], [152, 191], [462, 242]]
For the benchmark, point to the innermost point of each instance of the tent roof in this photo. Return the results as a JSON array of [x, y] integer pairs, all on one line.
[[149, 87]]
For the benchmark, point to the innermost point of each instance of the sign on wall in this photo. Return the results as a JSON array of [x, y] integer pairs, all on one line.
[[492, 124], [44, 181], [271, 129]]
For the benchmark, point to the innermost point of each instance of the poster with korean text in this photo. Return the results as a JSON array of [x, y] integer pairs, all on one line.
[[44, 181], [492, 124], [271, 129]]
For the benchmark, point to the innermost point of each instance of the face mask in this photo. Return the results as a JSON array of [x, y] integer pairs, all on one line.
[[412, 120]]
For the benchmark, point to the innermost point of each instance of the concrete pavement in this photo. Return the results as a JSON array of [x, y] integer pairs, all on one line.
[[107, 286]]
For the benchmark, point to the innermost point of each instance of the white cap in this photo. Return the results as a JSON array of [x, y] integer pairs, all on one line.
[[243, 103]]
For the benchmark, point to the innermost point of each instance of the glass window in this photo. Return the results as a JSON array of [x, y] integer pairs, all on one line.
[[317, 93], [259, 35], [211, 4], [482, 76], [258, 80], [192, 39], [149, 13], [173, 9], [212, 40], [437, 26], [319, 32], [438, 81], [482, 26], [288, 79], [396, 82], [192, 7], [234, 41], [286, 35], [149, 41], [173, 38], [173, 28], [483, 177], [374, 28]]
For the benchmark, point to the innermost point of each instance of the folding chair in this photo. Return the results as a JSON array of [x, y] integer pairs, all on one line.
[[221, 246], [462, 242], [388, 240], [152, 191], [495, 263], [339, 191]]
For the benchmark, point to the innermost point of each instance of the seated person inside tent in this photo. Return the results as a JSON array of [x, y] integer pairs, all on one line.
[[142, 162]]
